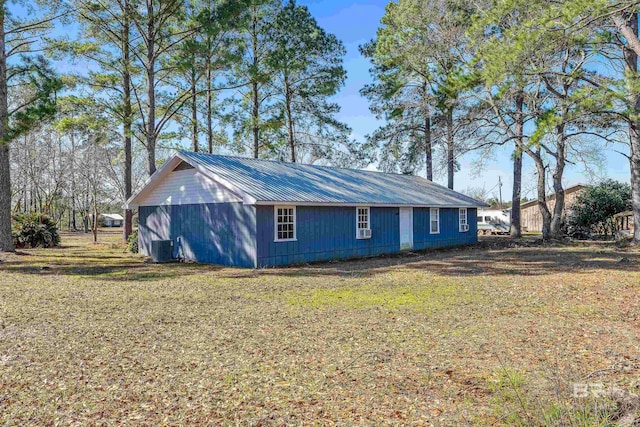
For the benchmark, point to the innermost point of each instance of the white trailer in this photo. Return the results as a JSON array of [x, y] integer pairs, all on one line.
[[494, 221]]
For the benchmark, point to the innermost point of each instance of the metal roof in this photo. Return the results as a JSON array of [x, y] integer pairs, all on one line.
[[281, 182], [116, 216], [567, 191]]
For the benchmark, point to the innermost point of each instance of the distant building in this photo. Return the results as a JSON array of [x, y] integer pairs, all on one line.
[[258, 213], [530, 212], [111, 220], [624, 223]]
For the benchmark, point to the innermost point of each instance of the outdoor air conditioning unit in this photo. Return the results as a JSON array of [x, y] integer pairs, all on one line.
[[364, 233], [161, 250], [464, 227]]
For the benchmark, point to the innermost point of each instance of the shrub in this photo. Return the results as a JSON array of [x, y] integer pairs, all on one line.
[[132, 242], [33, 230], [594, 209]]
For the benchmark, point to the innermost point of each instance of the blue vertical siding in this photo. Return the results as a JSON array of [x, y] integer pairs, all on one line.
[[326, 232], [449, 235], [240, 235], [153, 224], [214, 233]]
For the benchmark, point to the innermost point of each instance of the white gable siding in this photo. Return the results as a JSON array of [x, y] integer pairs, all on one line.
[[187, 187]]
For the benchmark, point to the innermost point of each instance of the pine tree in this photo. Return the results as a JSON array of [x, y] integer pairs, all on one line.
[[307, 64], [420, 59], [35, 102], [106, 42], [255, 124]]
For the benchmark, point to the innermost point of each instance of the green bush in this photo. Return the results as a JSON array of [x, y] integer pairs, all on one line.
[[594, 209], [132, 242], [33, 230]]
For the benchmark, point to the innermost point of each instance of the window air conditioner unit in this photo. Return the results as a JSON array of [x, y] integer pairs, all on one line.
[[364, 233]]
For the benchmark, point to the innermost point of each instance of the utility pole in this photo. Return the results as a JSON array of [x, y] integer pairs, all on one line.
[[500, 191]]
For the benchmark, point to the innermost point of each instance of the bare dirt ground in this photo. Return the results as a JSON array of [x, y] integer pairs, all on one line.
[[500, 333]]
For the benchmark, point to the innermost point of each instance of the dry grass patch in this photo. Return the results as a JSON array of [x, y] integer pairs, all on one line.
[[91, 335]]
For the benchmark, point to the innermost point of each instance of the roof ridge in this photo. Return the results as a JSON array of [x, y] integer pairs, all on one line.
[[303, 164]]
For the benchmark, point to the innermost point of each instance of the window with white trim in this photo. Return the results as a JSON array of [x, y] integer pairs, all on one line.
[[363, 223], [434, 220], [285, 223], [462, 215]]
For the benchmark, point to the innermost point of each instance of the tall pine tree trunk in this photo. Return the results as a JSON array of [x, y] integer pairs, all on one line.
[[126, 124], [94, 224], [209, 100], [450, 149], [73, 181], [151, 92], [516, 217], [255, 113], [634, 160], [428, 147], [558, 208], [542, 195], [6, 241], [633, 99], [255, 119], [194, 111], [290, 136]]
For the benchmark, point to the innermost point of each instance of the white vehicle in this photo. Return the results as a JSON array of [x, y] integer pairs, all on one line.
[[494, 221]]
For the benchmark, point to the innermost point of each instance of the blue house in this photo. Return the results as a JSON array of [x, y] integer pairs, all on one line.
[[258, 213]]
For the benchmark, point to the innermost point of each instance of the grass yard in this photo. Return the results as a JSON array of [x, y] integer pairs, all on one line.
[[474, 336]]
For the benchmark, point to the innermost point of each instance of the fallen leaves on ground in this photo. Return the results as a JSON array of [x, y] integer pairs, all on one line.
[[91, 335]]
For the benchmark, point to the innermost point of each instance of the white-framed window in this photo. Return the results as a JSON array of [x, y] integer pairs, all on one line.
[[284, 218], [462, 215], [434, 221], [363, 223]]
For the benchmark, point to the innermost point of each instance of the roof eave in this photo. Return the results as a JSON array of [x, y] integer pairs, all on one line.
[[354, 204]]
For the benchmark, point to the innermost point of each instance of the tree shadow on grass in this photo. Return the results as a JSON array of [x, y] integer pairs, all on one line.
[[476, 261], [530, 259], [95, 267]]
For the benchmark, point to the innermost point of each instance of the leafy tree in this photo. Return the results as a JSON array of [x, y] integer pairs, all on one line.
[[405, 101], [506, 96], [161, 29], [594, 208], [254, 112], [202, 60], [612, 28], [307, 63], [21, 110], [41, 166], [420, 59], [86, 118], [106, 41], [556, 73]]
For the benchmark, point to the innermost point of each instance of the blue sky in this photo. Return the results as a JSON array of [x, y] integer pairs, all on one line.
[[356, 22]]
